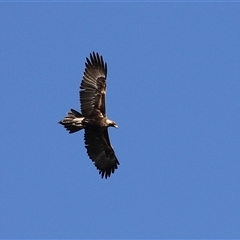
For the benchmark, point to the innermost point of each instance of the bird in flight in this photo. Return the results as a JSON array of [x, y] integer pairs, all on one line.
[[93, 117]]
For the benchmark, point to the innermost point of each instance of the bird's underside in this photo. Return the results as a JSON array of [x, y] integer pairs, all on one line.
[[93, 117]]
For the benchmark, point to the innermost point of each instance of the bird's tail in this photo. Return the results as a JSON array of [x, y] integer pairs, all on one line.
[[73, 121]]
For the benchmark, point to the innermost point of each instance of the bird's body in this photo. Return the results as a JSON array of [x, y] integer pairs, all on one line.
[[93, 118]]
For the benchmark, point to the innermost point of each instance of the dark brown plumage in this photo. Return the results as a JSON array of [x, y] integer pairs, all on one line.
[[93, 118]]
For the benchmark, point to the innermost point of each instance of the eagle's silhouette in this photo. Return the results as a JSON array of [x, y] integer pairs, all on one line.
[[93, 118]]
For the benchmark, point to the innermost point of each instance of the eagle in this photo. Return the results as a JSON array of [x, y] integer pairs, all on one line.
[[93, 118]]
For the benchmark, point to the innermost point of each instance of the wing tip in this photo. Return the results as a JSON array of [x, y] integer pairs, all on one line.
[[107, 172], [96, 60]]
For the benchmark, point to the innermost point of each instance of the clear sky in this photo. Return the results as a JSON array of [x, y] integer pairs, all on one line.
[[174, 91]]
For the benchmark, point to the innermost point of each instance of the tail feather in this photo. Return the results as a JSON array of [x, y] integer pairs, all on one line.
[[73, 121]]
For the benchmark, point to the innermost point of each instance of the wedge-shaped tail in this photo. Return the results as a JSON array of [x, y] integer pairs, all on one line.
[[73, 121]]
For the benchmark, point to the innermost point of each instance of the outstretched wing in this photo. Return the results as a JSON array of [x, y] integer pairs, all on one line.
[[101, 152], [93, 86]]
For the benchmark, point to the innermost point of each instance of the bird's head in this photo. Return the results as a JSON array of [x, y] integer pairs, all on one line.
[[112, 123]]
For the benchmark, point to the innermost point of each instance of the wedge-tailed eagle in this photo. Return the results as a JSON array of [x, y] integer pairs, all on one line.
[[93, 118]]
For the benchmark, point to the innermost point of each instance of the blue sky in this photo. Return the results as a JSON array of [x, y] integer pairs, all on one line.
[[173, 89]]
